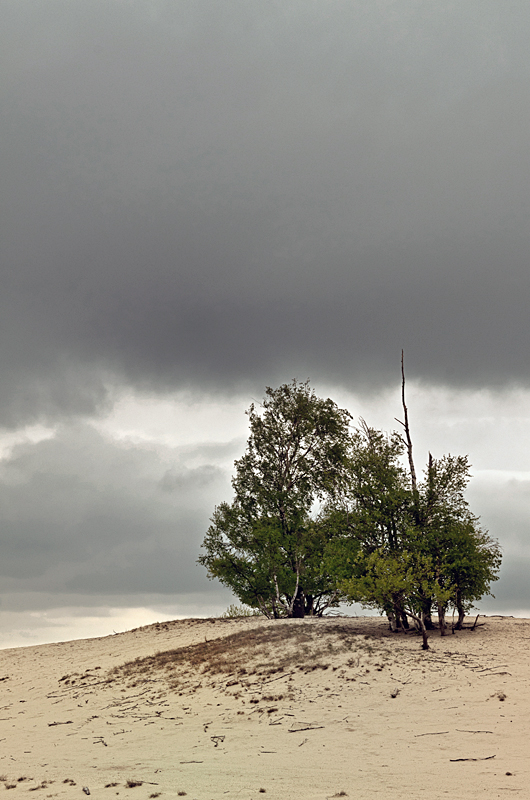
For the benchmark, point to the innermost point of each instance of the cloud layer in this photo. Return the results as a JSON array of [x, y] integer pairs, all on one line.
[[224, 195], [85, 515], [208, 198]]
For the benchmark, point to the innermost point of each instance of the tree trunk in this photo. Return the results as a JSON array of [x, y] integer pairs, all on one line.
[[460, 609], [392, 621], [420, 621], [441, 619], [404, 621], [299, 604], [309, 601], [426, 614], [425, 644]]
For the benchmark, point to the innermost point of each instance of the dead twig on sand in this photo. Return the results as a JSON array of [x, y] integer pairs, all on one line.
[[461, 730], [299, 730], [487, 758]]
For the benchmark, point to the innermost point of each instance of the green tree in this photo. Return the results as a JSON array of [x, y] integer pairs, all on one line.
[[267, 545], [374, 514], [406, 548], [463, 554], [396, 580]]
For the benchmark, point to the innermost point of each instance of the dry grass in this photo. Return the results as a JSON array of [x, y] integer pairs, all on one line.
[[258, 654]]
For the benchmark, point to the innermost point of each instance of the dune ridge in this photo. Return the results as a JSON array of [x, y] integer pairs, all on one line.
[[247, 708]]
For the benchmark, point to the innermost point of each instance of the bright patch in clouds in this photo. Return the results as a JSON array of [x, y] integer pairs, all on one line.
[[30, 434], [176, 421], [24, 628]]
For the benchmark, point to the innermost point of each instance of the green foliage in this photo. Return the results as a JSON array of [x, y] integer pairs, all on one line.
[[396, 580], [266, 545], [463, 554], [321, 514], [417, 551]]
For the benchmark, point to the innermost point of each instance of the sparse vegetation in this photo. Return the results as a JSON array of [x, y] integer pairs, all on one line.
[[234, 612], [246, 653], [245, 657]]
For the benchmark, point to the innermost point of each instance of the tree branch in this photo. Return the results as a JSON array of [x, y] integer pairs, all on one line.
[[406, 426]]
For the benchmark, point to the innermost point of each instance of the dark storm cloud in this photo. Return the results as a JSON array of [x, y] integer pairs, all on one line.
[[84, 515], [208, 194]]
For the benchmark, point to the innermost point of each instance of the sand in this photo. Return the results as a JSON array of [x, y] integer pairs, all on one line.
[[249, 708]]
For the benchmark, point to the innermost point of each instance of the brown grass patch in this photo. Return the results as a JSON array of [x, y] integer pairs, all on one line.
[[257, 654]]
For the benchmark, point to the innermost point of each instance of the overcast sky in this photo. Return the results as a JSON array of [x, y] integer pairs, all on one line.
[[200, 199]]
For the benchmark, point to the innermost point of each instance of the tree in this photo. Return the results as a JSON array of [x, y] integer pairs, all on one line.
[[407, 552], [407, 547], [464, 555], [377, 524], [321, 514], [267, 545], [398, 580], [421, 546]]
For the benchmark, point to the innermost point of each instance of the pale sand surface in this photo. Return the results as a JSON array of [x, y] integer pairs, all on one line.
[[301, 733]]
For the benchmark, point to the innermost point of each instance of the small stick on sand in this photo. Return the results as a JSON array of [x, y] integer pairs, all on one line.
[[460, 730], [299, 730], [487, 758]]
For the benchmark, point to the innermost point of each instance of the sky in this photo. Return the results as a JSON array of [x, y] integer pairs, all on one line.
[[203, 199]]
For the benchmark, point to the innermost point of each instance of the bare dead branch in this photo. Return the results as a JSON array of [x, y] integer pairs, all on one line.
[[407, 428]]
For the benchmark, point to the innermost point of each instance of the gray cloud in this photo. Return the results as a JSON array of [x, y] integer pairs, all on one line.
[[213, 195], [84, 515], [219, 196]]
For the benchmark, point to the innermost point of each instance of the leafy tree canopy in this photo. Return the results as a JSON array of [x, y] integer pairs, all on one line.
[[323, 513], [266, 544]]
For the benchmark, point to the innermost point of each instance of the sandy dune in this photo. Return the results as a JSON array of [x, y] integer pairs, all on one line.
[[287, 710]]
